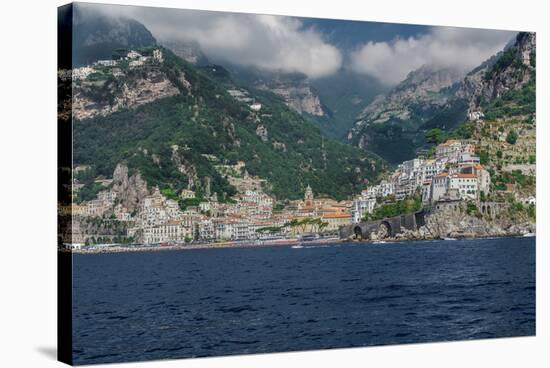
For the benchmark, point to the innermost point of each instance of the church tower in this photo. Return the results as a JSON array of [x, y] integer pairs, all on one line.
[[308, 197]]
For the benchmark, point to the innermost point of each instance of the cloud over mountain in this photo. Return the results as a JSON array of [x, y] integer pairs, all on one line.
[[274, 43], [288, 44], [459, 48]]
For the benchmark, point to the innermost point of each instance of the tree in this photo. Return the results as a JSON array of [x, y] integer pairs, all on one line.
[[434, 136], [404, 206], [512, 137], [483, 157], [471, 209]]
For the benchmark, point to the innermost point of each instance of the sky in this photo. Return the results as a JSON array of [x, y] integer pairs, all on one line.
[[318, 47]]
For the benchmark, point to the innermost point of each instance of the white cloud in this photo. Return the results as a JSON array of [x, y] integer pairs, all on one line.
[[459, 48], [267, 42], [264, 41]]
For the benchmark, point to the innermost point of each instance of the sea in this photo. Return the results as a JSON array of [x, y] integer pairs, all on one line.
[[173, 304]]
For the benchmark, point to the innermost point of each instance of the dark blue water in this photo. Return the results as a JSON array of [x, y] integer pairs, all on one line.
[[175, 304]]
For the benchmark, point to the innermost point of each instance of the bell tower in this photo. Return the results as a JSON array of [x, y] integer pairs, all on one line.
[[308, 197]]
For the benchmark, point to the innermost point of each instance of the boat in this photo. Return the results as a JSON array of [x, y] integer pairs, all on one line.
[[447, 238], [297, 246], [529, 235], [309, 237]]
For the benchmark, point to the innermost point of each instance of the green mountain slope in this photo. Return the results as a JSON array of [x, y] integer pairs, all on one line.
[[176, 142], [392, 125], [501, 87]]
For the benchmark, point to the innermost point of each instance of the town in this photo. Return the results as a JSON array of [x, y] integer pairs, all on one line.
[[453, 173]]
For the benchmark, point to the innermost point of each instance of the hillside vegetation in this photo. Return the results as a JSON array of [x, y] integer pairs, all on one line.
[[176, 142]]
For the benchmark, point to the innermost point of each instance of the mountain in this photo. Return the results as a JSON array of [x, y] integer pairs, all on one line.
[[502, 104], [182, 126], [508, 79], [394, 125], [344, 96], [332, 102], [390, 124], [96, 36], [295, 89], [187, 50], [423, 91]]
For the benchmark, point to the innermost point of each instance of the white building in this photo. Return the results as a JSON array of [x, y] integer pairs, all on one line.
[[223, 229], [204, 206], [453, 149], [467, 158], [82, 72], [206, 230], [386, 188], [256, 106], [440, 185], [106, 62], [243, 230], [186, 194], [361, 206], [169, 231], [466, 184], [450, 149], [157, 55], [427, 192], [135, 63], [133, 55]]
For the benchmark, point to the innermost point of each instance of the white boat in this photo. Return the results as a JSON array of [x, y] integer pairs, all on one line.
[[529, 235], [446, 238], [297, 246]]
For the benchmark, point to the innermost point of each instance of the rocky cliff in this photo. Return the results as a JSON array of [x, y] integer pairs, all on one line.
[[422, 91], [512, 69], [454, 221], [120, 91], [187, 50], [296, 91], [129, 189]]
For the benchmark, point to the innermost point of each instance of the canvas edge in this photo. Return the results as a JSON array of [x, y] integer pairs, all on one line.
[[64, 183]]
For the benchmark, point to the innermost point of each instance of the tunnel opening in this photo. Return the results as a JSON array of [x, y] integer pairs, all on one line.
[[358, 232]]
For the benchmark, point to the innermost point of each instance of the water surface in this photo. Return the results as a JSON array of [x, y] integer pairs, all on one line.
[[205, 302]]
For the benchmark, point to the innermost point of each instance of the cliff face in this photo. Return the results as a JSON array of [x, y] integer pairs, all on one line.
[[129, 189], [511, 70], [422, 87], [295, 91], [188, 51], [455, 222], [123, 91]]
